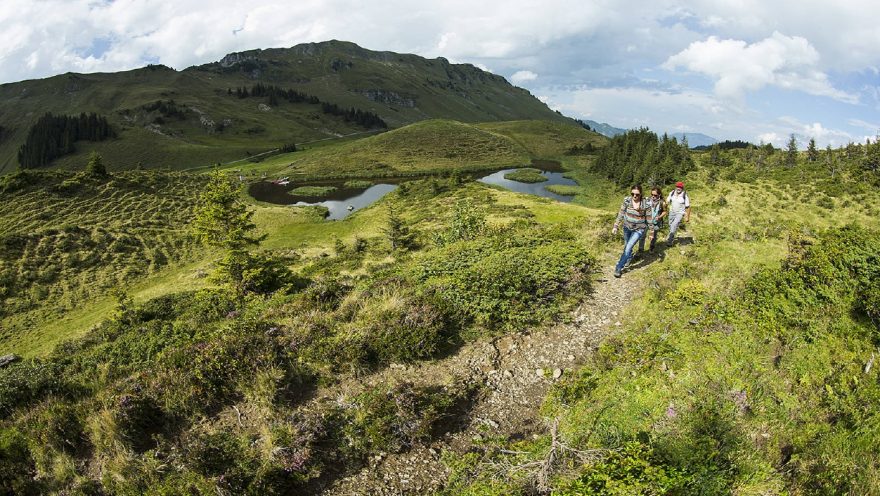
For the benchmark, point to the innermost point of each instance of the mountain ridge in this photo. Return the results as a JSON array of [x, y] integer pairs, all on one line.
[[212, 125]]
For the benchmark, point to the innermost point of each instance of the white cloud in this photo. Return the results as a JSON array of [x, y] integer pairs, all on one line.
[[826, 49], [738, 67], [870, 126], [803, 131], [520, 77]]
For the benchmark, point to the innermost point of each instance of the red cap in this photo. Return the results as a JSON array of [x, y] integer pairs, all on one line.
[[679, 185]]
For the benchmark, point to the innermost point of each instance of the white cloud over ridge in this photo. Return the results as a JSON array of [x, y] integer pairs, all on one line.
[[520, 77], [788, 62]]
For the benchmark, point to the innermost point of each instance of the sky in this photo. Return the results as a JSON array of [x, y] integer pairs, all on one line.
[[754, 70]]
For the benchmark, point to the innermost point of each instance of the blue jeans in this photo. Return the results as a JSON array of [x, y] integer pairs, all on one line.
[[653, 240], [630, 238]]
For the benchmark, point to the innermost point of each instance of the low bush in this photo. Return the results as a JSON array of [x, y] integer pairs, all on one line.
[[17, 468], [393, 418], [511, 278]]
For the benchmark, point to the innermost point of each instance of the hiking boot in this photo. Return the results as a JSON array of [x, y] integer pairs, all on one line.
[[617, 274]]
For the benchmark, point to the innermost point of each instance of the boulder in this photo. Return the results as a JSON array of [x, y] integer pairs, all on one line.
[[7, 359]]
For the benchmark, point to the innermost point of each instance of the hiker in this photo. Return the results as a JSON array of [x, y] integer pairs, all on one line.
[[635, 214], [679, 208], [658, 213]]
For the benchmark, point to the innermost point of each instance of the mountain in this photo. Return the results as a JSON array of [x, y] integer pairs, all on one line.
[[695, 139], [200, 115], [604, 129]]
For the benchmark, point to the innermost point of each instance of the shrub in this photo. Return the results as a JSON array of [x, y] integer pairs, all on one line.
[[58, 427], [509, 279], [393, 418], [392, 325], [635, 469], [25, 382], [138, 417], [17, 468]]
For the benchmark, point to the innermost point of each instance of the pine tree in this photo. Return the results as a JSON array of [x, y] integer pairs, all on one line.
[[812, 151], [222, 220], [95, 166], [791, 152], [830, 160], [396, 231]]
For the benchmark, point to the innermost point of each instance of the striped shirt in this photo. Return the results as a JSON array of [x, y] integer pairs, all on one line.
[[633, 218]]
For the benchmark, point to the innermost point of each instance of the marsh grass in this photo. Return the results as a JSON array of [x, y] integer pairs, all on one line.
[[526, 175]]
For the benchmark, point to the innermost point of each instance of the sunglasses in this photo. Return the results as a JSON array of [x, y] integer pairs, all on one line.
[[655, 196], [637, 194]]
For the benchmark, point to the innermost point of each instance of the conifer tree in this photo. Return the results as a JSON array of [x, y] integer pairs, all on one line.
[[95, 166], [222, 220], [396, 231], [791, 152], [812, 151]]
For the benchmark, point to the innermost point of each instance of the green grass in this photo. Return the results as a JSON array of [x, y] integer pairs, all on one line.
[[734, 356], [526, 175], [563, 189], [543, 139], [426, 147], [358, 183], [316, 191], [68, 240]]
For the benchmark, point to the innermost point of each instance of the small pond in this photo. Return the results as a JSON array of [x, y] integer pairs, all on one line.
[[553, 178], [337, 201], [344, 200]]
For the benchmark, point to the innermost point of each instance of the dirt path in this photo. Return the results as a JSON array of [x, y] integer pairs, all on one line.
[[515, 372]]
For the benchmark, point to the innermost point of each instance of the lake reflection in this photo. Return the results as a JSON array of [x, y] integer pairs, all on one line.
[[553, 178]]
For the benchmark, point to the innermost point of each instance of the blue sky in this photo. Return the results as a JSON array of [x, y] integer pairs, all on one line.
[[744, 69]]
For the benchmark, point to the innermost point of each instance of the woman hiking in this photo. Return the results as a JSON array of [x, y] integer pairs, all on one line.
[[658, 213], [635, 215]]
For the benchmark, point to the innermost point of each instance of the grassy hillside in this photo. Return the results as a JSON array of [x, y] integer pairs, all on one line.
[[432, 146], [164, 379], [67, 239], [746, 367], [544, 139], [202, 124], [744, 364]]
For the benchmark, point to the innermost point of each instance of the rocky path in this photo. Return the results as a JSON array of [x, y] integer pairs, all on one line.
[[515, 371]]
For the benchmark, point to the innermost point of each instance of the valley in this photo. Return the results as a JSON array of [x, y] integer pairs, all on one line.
[[182, 326]]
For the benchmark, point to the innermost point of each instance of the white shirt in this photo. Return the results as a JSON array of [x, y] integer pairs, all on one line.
[[678, 202]]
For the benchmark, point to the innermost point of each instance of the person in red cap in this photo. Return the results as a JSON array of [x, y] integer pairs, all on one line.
[[679, 208]]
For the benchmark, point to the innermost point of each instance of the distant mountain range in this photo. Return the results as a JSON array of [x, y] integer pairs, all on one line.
[[254, 101], [604, 129], [694, 139]]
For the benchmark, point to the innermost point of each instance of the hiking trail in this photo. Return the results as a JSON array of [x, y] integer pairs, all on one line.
[[515, 372]]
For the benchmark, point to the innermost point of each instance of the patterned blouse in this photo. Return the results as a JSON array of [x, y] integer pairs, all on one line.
[[635, 219]]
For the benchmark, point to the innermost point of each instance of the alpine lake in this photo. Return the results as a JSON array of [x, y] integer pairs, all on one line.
[[343, 197]]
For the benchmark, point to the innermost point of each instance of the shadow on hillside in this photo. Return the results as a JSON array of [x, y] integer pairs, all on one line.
[[648, 257]]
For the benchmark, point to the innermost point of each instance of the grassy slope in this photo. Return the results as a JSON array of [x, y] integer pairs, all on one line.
[[707, 389], [432, 146], [419, 148], [67, 240]]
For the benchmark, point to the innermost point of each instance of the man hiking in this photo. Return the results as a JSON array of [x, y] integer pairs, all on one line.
[[679, 206]]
